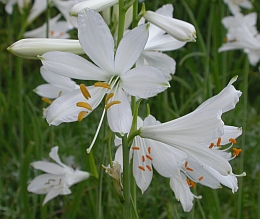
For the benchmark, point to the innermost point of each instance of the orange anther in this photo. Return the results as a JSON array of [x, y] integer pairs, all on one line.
[[148, 167], [149, 150], [201, 178], [188, 182], [141, 168], [81, 115], [192, 184], [232, 140], [187, 168], [186, 164], [143, 158], [219, 142], [211, 145], [149, 157], [135, 148], [236, 152]]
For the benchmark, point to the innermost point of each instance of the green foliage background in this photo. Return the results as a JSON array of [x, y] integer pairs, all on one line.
[[201, 72]]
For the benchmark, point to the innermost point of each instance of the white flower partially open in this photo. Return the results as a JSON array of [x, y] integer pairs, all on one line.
[[58, 177]]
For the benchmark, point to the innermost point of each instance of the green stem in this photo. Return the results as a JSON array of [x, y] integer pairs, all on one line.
[[243, 140], [126, 182], [48, 14], [121, 21]]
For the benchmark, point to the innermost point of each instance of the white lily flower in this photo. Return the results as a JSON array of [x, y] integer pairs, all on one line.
[[159, 42], [21, 5], [31, 48], [57, 29], [112, 71], [58, 177], [57, 85], [98, 5], [190, 132], [180, 30], [63, 6], [234, 5]]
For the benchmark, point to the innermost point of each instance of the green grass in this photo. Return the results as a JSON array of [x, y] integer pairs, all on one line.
[[201, 72]]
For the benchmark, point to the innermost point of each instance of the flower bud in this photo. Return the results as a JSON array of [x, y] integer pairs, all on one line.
[[180, 30], [30, 48]]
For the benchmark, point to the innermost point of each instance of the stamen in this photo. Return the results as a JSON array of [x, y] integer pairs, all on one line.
[[211, 145], [141, 168], [108, 97], [84, 91], [236, 152], [149, 157], [135, 148], [102, 84], [188, 182], [51, 32], [143, 158], [84, 105], [112, 103], [46, 100], [81, 115], [219, 142], [201, 178], [186, 164], [232, 140], [149, 150], [192, 184], [60, 93], [148, 167], [187, 168]]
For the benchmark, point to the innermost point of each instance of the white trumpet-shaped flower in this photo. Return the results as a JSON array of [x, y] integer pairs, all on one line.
[[58, 177], [190, 132], [159, 42], [112, 71], [179, 29], [234, 5]]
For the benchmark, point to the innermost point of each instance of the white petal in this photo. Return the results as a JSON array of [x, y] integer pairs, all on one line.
[[64, 108], [49, 91], [55, 156], [182, 192], [164, 43], [71, 65], [162, 62], [55, 192], [144, 82], [130, 48], [96, 39], [75, 176], [120, 115], [48, 167]]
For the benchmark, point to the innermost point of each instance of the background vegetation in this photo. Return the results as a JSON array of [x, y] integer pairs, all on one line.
[[201, 72]]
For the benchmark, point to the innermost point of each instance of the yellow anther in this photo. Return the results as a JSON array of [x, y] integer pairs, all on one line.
[[232, 140], [135, 148], [219, 142], [141, 168], [112, 103], [149, 168], [84, 105], [102, 84], [108, 97], [46, 100], [211, 145], [149, 157], [236, 152], [84, 91], [81, 115]]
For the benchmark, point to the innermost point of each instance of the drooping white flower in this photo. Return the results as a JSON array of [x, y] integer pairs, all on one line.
[[21, 5], [190, 132], [58, 177], [112, 70], [242, 34], [56, 86], [234, 5], [159, 42], [31, 48], [97, 5], [178, 29], [57, 29]]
